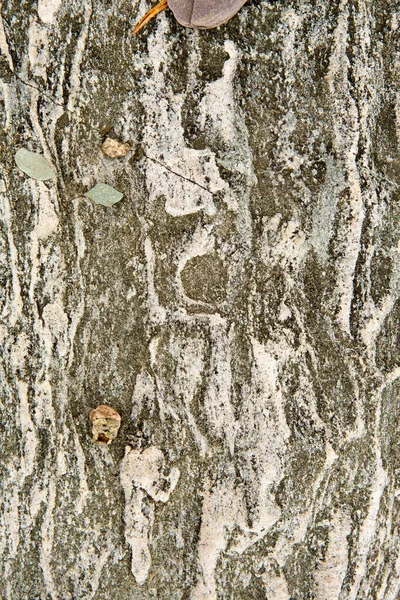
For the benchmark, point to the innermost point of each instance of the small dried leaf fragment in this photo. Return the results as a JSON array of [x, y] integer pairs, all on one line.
[[200, 14], [114, 148], [105, 424], [204, 14], [104, 194], [35, 165]]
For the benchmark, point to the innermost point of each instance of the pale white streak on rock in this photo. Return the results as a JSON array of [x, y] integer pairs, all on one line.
[[139, 520], [325, 209], [392, 377], [75, 80], [11, 512], [28, 432], [222, 510], [300, 524], [219, 102], [285, 148], [37, 498], [156, 311], [186, 177], [283, 244], [47, 539], [92, 559], [144, 383], [359, 426], [390, 570], [370, 524], [331, 572], [189, 353], [38, 53], [153, 350], [217, 402], [84, 491], [263, 434], [377, 316], [145, 469], [51, 328], [56, 320], [6, 91], [10, 524], [47, 10], [5, 51], [266, 378], [39, 61], [14, 307], [44, 410], [371, 81], [144, 393], [275, 583], [374, 316], [397, 111], [3, 534], [143, 481], [41, 253], [34, 115], [8, 99], [97, 564], [346, 128], [77, 314], [220, 111]]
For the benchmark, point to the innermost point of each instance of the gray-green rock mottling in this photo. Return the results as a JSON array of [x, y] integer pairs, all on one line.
[[239, 308]]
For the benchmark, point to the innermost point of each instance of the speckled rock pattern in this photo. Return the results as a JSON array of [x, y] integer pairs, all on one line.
[[239, 307]]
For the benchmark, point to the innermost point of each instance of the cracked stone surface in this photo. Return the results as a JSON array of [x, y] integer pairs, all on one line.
[[239, 308]]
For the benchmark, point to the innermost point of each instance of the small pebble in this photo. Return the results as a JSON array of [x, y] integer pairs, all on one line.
[[105, 424], [114, 148]]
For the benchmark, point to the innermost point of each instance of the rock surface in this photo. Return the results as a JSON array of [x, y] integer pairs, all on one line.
[[239, 308]]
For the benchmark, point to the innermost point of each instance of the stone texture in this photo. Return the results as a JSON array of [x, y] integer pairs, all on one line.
[[267, 166]]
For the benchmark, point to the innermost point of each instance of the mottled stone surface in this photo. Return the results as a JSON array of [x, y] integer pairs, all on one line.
[[239, 308]]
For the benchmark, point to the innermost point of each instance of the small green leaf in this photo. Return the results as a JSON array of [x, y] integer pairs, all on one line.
[[104, 194], [33, 164]]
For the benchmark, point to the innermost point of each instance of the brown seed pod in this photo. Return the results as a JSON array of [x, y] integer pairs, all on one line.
[[105, 424], [200, 14]]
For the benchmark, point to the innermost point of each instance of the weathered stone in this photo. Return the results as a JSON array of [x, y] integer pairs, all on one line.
[[105, 424], [114, 148], [243, 306]]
